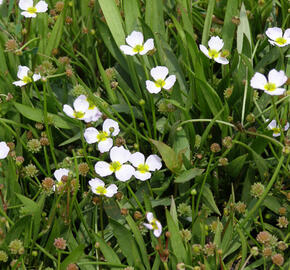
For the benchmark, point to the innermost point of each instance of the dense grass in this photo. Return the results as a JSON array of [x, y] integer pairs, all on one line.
[[222, 194]]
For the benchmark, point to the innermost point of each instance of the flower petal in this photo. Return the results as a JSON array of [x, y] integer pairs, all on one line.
[[274, 33], [142, 176], [111, 190], [277, 77], [111, 124], [148, 226], [127, 50], [68, 110], [28, 14], [91, 134], [22, 72], [81, 104], [158, 232], [287, 33], [4, 150], [36, 77], [96, 182], [25, 4], [19, 83], [106, 145], [258, 81], [149, 216], [204, 50], [58, 174], [276, 92], [135, 38], [102, 168], [152, 88], [215, 43], [221, 60], [169, 82], [286, 126], [154, 162], [125, 173], [136, 159], [148, 46], [159, 73], [41, 6], [120, 154]]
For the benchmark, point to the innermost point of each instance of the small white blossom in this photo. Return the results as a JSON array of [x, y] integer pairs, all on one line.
[[143, 168], [4, 150], [215, 45], [98, 187], [80, 110], [24, 76], [159, 74], [30, 10], [277, 38], [1, 1], [135, 41], [103, 138], [153, 224], [58, 174], [272, 85], [119, 156], [92, 114], [275, 128]]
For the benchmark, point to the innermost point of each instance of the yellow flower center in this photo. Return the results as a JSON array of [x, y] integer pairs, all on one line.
[[31, 10], [138, 48], [276, 130], [27, 79], [213, 53], [143, 168], [79, 115], [101, 190], [270, 86], [115, 166], [102, 136], [159, 83], [280, 40], [154, 225]]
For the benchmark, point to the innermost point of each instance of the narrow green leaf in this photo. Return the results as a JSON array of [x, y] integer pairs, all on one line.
[[208, 21], [235, 166], [243, 29], [73, 257], [208, 199], [154, 16], [188, 175], [132, 15]]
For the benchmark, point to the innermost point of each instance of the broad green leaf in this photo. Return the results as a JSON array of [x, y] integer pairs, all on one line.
[[235, 166], [73, 257], [173, 211], [209, 200], [154, 16], [132, 15], [114, 20], [272, 203], [243, 29], [244, 245], [188, 175]]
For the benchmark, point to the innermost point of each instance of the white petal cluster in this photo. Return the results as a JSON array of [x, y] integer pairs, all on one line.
[[272, 85], [276, 37], [4, 150], [24, 76], [136, 46], [82, 109], [143, 168], [215, 45], [275, 128], [58, 174], [159, 74], [119, 156], [103, 138], [29, 10], [98, 187], [153, 224]]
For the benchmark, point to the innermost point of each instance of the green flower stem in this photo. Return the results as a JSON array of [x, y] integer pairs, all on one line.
[[136, 199], [207, 120], [46, 160], [150, 189], [165, 265], [101, 216], [203, 183], [47, 128], [103, 263], [132, 114], [192, 210], [146, 121], [77, 182], [2, 213], [28, 42], [58, 259], [134, 76], [44, 251], [266, 191], [277, 119], [245, 98], [56, 75]]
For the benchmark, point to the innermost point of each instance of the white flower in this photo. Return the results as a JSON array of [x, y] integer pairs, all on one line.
[[1, 1], [159, 74], [105, 142], [118, 155], [270, 86], [215, 45], [80, 111], [58, 174], [4, 150], [275, 128], [135, 41], [98, 187], [277, 38], [24, 77], [154, 224], [153, 163], [93, 114], [30, 10]]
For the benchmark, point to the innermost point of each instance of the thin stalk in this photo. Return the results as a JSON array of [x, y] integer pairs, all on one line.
[[146, 120], [165, 265], [245, 98], [58, 259], [101, 216], [207, 120], [46, 160], [277, 119], [136, 199], [203, 183]]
